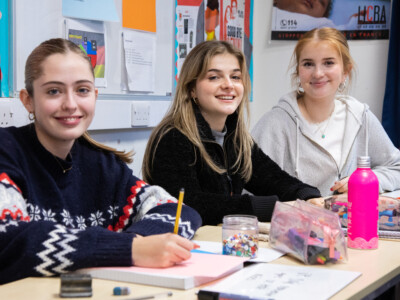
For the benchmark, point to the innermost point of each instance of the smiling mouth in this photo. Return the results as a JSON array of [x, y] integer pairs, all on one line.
[[68, 119], [225, 97], [319, 83]]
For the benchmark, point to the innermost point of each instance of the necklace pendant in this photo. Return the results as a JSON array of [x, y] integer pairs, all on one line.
[[323, 136]]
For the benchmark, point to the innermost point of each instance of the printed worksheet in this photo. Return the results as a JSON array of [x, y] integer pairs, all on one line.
[[273, 281]]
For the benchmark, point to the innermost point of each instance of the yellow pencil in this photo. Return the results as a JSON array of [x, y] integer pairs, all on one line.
[[178, 210]]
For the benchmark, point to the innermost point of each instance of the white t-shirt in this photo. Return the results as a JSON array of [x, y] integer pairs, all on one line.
[[329, 133]]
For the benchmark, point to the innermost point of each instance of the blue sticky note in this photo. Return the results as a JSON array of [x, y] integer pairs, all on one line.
[[99, 10]]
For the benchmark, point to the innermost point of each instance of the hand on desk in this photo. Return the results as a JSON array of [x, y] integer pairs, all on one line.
[[341, 186], [317, 201], [162, 250]]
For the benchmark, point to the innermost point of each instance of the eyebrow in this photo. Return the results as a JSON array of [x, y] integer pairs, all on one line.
[[62, 83], [310, 59], [219, 71]]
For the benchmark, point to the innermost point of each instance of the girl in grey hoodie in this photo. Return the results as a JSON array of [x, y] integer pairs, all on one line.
[[316, 133]]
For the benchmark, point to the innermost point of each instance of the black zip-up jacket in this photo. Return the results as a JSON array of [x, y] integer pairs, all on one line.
[[178, 164]]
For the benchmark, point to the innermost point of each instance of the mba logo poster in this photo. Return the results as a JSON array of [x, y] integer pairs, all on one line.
[[357, 19]]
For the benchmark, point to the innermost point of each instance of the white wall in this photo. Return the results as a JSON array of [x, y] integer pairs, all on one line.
[[271, 80]]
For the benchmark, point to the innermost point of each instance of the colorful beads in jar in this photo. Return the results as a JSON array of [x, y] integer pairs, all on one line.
[[240, 235]]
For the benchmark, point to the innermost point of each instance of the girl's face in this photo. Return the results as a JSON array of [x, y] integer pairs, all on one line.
[[63, 100], [220, 91], [313, 8], [320, 70]]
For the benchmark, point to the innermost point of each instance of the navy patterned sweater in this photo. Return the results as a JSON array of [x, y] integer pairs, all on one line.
[[53, 222]]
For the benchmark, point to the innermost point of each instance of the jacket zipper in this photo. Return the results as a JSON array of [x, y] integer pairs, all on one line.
[[229, 178]]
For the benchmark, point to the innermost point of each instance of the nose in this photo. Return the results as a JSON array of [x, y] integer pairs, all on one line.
[[227, 83], [318, 71], [69, 104]]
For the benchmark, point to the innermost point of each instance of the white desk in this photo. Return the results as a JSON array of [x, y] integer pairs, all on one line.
[[377, 267]]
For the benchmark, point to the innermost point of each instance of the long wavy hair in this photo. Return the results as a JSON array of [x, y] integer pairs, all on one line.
[[34, 69], [181, 114], [325, 34]]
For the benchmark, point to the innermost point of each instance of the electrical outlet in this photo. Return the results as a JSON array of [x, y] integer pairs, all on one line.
[[140, 113], [6, 114]]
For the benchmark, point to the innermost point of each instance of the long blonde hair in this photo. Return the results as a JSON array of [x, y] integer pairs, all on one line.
[[181, 114], [325, 34], [33, 70]]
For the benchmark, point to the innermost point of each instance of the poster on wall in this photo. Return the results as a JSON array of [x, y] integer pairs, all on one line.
[[357, 19], [89, 36], [201, 20]]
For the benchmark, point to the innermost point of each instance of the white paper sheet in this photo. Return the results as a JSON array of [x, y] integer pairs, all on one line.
[[140, 56], [273, 281]]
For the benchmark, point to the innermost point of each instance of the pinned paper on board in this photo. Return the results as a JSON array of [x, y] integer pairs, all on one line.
[[140, 56], [139, 15], [89, 36], [99, 10]]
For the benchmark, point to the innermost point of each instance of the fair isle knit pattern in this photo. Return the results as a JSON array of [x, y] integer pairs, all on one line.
[[51, 222], [59, 236]]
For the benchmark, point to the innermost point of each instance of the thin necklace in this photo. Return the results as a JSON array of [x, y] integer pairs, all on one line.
[[327, 123], [58, 162], [326, 127]]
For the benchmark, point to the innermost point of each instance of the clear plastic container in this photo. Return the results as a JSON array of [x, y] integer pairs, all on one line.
[[240, 235]]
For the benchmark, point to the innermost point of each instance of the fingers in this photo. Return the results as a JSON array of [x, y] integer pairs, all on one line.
[[317, 201], [162, 250], [340, 186]]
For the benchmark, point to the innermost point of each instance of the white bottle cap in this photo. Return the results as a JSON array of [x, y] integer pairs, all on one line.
[[363, 162]]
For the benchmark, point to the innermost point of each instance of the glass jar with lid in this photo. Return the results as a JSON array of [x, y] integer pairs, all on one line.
[[240, 235]]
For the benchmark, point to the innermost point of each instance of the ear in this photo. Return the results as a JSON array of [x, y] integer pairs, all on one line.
[[347, 72], [193, 94], [26, 100]]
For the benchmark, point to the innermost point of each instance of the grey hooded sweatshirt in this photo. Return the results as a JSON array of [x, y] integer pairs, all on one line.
[[281, 134]]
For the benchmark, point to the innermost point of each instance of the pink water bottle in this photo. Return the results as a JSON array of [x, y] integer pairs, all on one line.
[[363, 207]]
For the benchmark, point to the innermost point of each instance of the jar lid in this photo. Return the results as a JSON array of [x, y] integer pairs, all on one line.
[[235, 219]]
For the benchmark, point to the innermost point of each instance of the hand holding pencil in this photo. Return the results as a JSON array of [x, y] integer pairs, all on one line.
[[163, 250]]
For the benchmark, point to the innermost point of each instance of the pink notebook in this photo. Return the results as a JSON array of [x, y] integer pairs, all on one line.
[[199, 269]]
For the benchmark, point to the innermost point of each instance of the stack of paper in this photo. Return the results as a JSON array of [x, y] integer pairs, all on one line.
[[198, 270]]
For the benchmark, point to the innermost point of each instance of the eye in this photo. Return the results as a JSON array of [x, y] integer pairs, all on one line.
[[329, 62], [53, 91], [237, 77], [83, 90], [213, 77], [307, 64]]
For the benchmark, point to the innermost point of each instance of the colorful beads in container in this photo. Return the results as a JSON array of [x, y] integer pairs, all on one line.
[[240, 235], [240, 245]]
